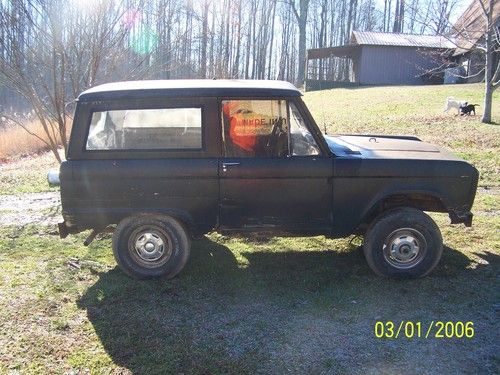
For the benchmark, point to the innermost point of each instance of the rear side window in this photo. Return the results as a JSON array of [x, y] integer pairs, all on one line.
[[143, 129]]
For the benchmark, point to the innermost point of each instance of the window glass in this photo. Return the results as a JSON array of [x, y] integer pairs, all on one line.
[[255, 128], [143, 129], [302, 141]]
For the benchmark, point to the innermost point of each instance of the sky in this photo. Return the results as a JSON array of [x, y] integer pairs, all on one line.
[[457, 12]]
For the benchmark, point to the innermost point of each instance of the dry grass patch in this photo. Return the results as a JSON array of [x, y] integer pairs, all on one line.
[[16, 141]]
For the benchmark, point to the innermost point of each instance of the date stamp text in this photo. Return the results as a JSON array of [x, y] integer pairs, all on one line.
[[420, 330]]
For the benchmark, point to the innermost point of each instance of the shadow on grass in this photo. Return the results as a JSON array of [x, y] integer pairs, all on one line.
[[221, 317]]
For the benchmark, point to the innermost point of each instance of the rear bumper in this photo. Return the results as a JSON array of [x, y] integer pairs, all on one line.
[[464, 217]]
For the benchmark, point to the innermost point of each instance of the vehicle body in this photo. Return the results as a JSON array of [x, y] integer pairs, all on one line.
[[243, 155]]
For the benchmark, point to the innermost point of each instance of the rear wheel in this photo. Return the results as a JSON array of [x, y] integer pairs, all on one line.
[[403, 242], [149, 246]]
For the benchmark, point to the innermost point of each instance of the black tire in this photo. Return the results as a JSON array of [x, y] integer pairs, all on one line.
[[403, 243], [151, 246]]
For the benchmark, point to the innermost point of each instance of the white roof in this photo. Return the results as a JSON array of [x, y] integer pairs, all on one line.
[[401, 40], [190, 87]]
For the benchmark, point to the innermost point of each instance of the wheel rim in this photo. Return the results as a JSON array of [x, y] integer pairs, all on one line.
[[150, 246], [405, 248]]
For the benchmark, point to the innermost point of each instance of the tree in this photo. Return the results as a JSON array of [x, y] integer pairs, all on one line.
[[443, 11], [301, 16], [476, 32], [491, 72], [51, 54], [399, 17]]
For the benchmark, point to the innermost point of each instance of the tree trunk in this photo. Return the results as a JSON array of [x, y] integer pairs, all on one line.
[[254, 41], [488, 97], [225, 68], [211, 57], [389, 10], [302, 21], [236, 65], [385, 15], [396, 26], [488, 68], [271, 39], [204, 42], [248, 51]]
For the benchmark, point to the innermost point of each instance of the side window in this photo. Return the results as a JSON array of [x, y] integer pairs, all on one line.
[[255, 128], [143, 129], [301, 139]]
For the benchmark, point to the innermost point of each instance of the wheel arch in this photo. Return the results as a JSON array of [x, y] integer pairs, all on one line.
[[418, 199], [183, 217]]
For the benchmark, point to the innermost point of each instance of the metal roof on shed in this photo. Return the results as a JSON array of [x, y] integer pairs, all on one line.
[[190, 87], [401, 40]]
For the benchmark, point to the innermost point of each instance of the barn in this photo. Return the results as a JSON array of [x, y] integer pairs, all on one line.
[[374, 58]]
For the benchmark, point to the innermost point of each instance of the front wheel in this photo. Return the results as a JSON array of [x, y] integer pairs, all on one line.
[[149, 246], [404, 243]]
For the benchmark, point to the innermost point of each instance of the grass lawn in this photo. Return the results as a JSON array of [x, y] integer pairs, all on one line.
[[250, 305], [415, 110]]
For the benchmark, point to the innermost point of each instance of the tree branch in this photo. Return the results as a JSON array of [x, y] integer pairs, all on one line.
[[294, 9], [496, 77]]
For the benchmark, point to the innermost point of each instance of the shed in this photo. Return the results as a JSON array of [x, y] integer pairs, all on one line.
[[374, 58]]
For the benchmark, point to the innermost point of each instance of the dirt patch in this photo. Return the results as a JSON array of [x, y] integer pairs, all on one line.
[[30, 208]]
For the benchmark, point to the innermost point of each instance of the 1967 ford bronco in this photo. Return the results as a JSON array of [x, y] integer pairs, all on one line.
[[170, 160]]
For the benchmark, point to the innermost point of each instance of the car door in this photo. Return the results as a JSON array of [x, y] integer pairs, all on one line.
[[273, 174]]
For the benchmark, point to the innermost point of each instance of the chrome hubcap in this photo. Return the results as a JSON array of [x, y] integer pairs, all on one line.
[[150, 247], [405, 248]]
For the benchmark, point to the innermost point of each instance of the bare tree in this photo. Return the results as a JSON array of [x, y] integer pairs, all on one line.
[[413, 9], [301, 16], [399, 16], [60, 55], [387, 15], [492, 45], [442, 12], [480, 35]]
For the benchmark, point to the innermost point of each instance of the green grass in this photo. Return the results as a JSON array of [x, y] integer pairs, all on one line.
[[27, 175], [240, 306], [248, 305], [416, 110]]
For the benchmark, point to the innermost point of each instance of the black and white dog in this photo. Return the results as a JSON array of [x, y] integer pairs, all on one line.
[[467, 109], [451, 102]]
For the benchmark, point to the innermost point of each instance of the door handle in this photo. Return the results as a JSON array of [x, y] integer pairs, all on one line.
[[225, 165]]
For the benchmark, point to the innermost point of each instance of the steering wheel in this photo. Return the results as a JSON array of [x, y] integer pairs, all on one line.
[[275, 132]]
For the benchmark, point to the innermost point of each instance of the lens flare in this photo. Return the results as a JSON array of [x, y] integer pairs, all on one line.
[[131, 18], [143, 39]]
